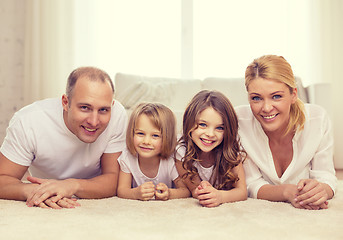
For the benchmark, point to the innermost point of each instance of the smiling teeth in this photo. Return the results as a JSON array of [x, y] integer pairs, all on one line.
[[207, 141], [269, 117], [90, 129]]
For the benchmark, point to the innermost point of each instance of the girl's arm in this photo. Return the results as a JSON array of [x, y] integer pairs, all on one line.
[[165, 193], [208, 196], [181, 190], [191, 185], [143, 192]]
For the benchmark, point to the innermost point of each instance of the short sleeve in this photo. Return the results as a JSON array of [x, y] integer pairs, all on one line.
[[124, 162], [117, 128], [18, 145]]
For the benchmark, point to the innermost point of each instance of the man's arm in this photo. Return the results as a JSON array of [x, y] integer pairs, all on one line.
[[11, 186], [102, 186]]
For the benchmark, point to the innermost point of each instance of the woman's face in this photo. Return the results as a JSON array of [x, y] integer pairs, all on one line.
[[270, 101]]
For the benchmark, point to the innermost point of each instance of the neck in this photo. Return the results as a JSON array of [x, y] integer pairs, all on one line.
[[207, 158], [280, 137]]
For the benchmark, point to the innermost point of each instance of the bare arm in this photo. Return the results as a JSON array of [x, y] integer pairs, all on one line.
[[191, 185], [144, 192], [102, 186], [11, 186], [285, 193], [208, 196], [181, 190]]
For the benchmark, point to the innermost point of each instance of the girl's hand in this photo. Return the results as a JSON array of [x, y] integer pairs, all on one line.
[[312, 193], [162, 192], [146, 191], [207, 195]]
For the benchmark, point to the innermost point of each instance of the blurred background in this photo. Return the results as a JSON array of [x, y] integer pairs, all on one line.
[[42, 41]]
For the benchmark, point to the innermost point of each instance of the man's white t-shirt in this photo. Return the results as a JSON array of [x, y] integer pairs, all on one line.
[[38, 137], [167, 172], [312, 151]]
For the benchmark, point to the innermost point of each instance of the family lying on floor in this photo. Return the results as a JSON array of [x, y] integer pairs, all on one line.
[[277, 149]]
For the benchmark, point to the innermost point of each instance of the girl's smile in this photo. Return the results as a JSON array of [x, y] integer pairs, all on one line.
[[210, 131]]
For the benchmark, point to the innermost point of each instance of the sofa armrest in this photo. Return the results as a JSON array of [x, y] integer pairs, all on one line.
[[320, 94]]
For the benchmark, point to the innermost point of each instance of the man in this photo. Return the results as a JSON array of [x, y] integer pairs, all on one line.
[[71, 146]]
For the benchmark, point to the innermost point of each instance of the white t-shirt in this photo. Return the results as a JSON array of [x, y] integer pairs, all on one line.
[[205, 174], [312, 151], [38, 137], [167, 172]]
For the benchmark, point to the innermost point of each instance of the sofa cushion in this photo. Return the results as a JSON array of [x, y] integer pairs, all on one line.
[[233, 88]]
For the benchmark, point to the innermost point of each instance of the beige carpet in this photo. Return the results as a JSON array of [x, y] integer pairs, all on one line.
[[116, 218]]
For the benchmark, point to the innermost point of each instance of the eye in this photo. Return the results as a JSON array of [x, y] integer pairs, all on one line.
[[104, 110], [220, 128], [139, 133], [156, 136], [276, 97], [84, 108], [255, 98], [202, 125]]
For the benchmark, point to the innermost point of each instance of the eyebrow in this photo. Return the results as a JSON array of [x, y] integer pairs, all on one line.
[[253, 93], [90, 105]]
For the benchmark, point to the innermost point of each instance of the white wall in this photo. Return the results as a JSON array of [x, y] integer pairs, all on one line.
[[11, 60]]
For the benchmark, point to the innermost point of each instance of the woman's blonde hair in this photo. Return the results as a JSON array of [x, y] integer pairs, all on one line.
[[277, 68], [162, 118]]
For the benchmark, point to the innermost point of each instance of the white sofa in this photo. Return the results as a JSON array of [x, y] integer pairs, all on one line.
[[176, 92]]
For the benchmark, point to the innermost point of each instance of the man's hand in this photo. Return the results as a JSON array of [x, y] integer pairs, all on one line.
[[50, 192], [62, 203]]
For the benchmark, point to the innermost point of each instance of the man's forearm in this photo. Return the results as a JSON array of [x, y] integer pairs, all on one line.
[[99, 187], [13, 189]]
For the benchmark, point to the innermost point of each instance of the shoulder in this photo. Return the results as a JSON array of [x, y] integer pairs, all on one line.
[[315, 111], [244, 112], [44, 109], [180, 152], [40, 106]]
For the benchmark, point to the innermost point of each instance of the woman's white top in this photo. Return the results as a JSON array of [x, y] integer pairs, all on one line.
[[312, 151]]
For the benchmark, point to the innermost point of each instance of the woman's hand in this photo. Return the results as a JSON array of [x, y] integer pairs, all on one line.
[[312, 193]]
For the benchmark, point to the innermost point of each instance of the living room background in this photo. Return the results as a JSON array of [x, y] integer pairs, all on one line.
[[45, 40]]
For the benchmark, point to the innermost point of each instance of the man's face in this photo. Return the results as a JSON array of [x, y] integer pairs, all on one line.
[[88, 111]]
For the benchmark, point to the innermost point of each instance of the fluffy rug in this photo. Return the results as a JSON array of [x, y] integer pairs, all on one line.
[[116, 218]]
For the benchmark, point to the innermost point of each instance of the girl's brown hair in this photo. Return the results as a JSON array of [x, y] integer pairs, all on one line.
[[228, 154]]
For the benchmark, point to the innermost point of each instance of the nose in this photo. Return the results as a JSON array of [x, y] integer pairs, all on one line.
[[267, 106], [146, 140], [93, 119], [210, 132]]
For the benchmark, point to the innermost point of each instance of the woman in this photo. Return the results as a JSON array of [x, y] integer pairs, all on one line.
[[289, 144]]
